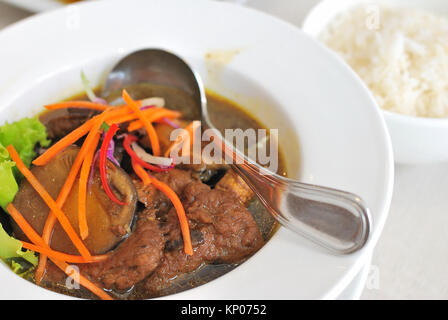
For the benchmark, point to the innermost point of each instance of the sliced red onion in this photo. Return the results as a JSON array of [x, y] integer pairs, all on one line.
[[110, 156], [92, 169], [111, 151], [170, 123], [167, 167], [147, 107], [99, 100], [165, 163]]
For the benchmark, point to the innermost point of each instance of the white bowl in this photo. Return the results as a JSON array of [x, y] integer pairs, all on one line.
[[287, 79], [415, 140], [36, 6]]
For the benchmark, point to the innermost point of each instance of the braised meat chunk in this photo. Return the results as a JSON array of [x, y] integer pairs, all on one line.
[[136, 258], [223, 230]]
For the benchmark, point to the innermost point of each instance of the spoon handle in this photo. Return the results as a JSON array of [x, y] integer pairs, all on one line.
[[334, 219]]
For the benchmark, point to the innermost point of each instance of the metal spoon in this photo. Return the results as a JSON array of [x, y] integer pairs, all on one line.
[[334, 219]]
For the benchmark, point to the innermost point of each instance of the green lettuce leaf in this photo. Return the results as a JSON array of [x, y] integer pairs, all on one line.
[[8, 184], [24, 135], [21, 262]]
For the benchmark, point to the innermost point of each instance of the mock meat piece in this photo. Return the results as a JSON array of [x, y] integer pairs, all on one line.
[[223, 231], [136, 258]]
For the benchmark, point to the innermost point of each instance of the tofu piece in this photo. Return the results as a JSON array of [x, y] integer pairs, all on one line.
[[232, 182]]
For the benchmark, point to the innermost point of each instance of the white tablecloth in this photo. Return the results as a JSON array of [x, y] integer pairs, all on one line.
[[411, 259]]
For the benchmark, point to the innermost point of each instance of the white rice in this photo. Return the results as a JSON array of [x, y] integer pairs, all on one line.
[[401, 54]]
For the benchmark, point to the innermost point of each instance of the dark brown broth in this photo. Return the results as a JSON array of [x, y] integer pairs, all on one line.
[[224, 114]]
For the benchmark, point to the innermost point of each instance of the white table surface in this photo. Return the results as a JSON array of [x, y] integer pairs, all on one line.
[[411, 259]]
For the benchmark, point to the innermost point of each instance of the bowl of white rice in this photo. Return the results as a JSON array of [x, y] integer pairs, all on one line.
[[399, 49]]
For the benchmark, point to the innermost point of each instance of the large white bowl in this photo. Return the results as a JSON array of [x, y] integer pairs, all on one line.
[[415, 140], [287, 79], [36, 5]]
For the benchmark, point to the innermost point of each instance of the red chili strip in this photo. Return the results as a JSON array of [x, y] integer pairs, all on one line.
[[128, 140], [103, 166]]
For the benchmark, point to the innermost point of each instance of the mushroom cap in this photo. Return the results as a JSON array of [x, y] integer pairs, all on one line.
[[108, 222]]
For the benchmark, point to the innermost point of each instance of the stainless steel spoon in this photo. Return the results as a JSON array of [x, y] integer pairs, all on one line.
[[334, 219]]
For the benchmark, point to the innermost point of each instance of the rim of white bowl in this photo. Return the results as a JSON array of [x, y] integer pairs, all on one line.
[[337, 287], [414, 120], [36, 6]]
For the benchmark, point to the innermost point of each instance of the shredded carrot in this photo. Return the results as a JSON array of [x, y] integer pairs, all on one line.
[[82, 194], [170, 114], [188, 248], [129, 116], [77, 134], [65, 191], [62, 218], [141, 173], [75, 275], [148, 126], [66, 141], [77, 104], [185, 229], [188, 133], [81, 105], [152, 114], [39, 244], [24, 225], [61, 255], [118, 115]]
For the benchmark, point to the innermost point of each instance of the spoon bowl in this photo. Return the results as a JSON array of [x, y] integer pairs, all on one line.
[[158, 67], [336, 220]]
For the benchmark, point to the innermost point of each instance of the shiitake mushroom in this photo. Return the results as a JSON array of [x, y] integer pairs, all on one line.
[[108, 222], [61, 122]]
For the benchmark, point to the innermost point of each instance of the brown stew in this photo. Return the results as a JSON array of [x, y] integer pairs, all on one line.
[[228, 224]]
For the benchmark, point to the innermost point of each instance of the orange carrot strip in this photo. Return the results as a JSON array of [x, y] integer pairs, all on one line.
[[118, 115], [148, 126], [170, 114], [128, 115], [65, 223], [66, 141], [149, 113], [82, 194], [39, 244], [62, 265], [189, 131], [81, 105], [75, 135], [141, 173], [75, 275], [77, 104], [188, 248], [61, 255], [24, 225], [63, 194]]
